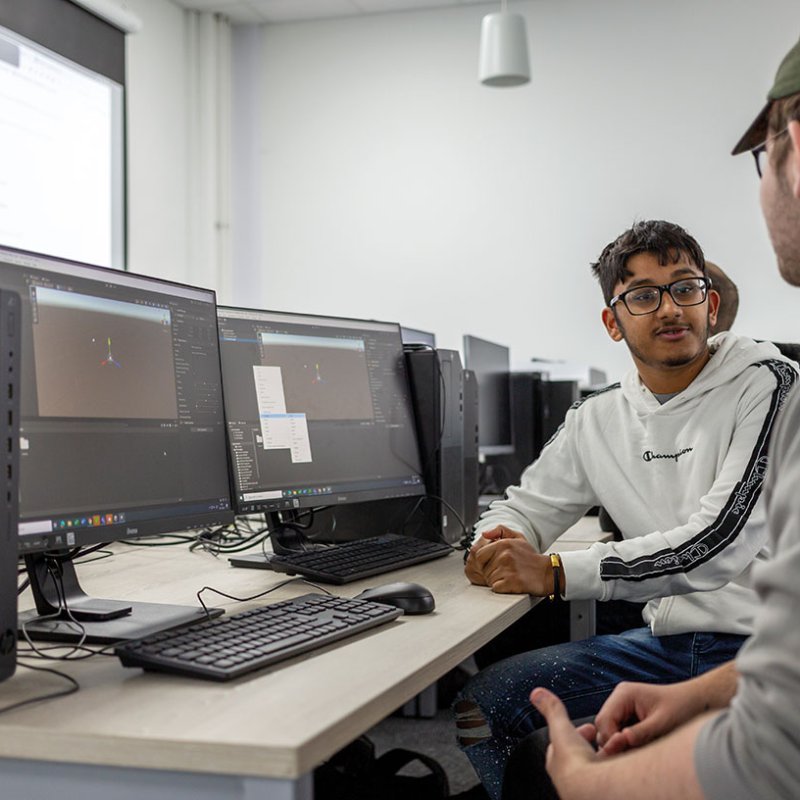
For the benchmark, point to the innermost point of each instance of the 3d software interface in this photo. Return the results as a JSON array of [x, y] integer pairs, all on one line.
[[121, 400], [315, 407]]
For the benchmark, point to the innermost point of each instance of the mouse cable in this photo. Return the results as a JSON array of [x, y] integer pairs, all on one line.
[[255, 596], [73, 687], [466, 532]]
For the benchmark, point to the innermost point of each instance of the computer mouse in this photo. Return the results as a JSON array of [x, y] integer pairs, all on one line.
[[411, 597]]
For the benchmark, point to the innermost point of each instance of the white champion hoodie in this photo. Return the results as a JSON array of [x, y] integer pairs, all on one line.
[[681, 480]]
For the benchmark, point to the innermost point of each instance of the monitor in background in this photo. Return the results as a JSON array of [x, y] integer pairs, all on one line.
[[122, 428], [319, 411], [62, 80], [412, 336], [491, 364]]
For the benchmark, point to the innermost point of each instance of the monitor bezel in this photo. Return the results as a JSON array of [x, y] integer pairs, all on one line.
[[335, 498], [171, 520], [491, 448]]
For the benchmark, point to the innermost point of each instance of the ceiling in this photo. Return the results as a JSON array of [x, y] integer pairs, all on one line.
[[254, 12]]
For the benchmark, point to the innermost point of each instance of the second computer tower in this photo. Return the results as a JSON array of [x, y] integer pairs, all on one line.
[[538, 407], [445, 408], [9, 369]]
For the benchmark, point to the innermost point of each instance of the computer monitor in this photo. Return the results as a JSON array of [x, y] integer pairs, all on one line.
[[412, 336], [122, 429], [491, 364], [319, 411]]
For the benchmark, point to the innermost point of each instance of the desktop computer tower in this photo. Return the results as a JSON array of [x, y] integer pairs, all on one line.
[[9, 369], [445, 402], [445, 408], [538, 407]]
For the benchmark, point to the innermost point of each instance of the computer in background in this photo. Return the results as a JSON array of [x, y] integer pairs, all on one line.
[[319, 417], [122, 431], [445, 407], [538, 407], [490, 362], [9, 419], [412, 336]]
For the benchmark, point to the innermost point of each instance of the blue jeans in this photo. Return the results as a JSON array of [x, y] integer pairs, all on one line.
[[493, 712]]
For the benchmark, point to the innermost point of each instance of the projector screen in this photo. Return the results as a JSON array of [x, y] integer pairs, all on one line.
[[62, 142]]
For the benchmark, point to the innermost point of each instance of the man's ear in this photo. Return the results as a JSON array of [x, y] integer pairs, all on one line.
[[713, 306], [612, 327], [794, 136]]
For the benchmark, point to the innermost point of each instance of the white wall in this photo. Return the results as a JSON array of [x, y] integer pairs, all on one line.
[[394, 186], [157, 126]]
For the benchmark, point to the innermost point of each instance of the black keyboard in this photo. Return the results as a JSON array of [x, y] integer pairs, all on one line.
[[230, 646], [352, 561]]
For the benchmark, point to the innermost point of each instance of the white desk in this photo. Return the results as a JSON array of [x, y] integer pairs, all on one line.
[[129, 735]]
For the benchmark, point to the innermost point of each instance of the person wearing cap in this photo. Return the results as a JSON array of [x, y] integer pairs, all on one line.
[[749, 747]]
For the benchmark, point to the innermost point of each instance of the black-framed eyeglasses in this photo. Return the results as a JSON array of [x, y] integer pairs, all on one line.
[[760, 153], [647, 299]]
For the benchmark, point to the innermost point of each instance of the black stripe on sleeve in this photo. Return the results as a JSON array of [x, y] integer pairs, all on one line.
[[710, 541]]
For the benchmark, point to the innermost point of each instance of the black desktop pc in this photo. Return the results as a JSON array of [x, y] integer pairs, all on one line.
[[538, 408], [121, 431], [9, 368], [445, 407]]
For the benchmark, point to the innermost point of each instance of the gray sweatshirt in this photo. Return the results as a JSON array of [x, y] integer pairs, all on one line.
[[752, 750]]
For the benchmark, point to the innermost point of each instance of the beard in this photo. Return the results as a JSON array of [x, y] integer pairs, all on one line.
[[782, 215], [673, 361]]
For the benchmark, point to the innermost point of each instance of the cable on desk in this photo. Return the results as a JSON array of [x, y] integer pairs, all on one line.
[[466, 532], [256, 596], [229, 539], [58, 582], [85, 652], [102, 555], [74, 687], [166, 540]]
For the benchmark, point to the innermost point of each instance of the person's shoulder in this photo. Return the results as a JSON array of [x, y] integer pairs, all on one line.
[[598, 398]]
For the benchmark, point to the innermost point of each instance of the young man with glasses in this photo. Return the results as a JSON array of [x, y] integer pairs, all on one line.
[[751, 749], [676, 454]]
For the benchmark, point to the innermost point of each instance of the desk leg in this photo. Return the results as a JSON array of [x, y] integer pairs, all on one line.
[[43, 780], [582, 621]]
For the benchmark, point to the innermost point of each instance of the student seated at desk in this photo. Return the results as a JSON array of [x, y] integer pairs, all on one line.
[[676, 453]]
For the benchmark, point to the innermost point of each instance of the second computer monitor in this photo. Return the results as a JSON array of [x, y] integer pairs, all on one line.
[[319, 410], [491, 364]]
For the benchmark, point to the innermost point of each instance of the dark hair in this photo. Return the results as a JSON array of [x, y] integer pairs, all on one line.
[[781, 113], [666, 240], [728, 297]]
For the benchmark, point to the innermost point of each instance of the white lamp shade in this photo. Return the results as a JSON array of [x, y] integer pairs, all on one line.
[[504, 50]]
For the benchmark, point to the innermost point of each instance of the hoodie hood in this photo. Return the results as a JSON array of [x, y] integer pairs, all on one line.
[[730, 355]]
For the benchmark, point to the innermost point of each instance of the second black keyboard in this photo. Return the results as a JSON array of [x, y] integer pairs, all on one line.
[[362, 558], [230, 646]]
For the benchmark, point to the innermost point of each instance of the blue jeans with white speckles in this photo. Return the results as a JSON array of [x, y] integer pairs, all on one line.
[[493, 712]]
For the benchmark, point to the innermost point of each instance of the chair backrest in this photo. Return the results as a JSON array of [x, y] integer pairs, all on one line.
[[789, 349]]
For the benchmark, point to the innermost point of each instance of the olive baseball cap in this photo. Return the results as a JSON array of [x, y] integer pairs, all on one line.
[[787, 82]]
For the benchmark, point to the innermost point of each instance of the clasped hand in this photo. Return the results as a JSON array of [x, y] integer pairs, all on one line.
[[505, 561]]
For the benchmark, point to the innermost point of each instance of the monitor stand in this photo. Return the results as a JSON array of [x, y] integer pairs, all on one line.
[[55, 585], [285, 539]]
